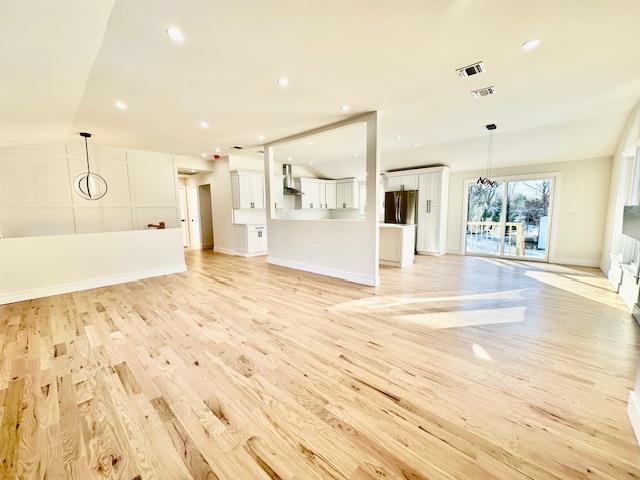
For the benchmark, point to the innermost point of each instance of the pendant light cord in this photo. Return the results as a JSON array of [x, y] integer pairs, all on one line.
[[86, 149], [490, 155]]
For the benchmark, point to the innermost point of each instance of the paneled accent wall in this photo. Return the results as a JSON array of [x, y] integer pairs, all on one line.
[[37, 197]]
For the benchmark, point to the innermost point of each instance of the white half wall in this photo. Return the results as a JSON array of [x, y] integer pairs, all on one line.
[[41, 266], [344, 249], [579, 208]]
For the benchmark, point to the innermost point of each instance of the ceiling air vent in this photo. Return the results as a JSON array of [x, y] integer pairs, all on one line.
[[484, 92], [470, 70]]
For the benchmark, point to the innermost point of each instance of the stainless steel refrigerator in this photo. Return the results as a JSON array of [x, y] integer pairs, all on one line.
[[400, 207]]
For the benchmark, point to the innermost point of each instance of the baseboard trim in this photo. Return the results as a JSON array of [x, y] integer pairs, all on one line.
[[106, 281], [633, 410], [577, 262], [226, 251], [247, 255], [371, 281]]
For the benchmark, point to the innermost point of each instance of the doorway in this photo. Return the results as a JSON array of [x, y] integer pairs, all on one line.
[[184, 216], [206, 216], [511, 219]]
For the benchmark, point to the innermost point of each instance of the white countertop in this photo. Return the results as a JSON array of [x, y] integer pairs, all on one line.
[[395, 225]]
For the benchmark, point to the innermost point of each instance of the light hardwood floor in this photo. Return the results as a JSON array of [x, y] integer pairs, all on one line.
[[456, 367]]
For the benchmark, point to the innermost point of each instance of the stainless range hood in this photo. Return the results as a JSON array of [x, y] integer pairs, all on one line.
[[289, 184]]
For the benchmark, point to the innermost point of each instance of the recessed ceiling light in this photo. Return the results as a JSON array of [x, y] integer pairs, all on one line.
[[531, 44], [193, 171], [204, 124], [261, 137], [289, 159], [345, 108], [355, 154], [204, 155], [121, 105], [309, 142], [175, 34], [283, 82], [415, 145], [310, 163], [217, 149], [398, 137]]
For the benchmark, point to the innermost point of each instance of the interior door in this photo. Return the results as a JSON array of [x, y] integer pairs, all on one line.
[[194, 221], [184, 216]]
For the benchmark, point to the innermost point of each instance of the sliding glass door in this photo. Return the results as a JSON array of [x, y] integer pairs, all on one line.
[[510, 219]]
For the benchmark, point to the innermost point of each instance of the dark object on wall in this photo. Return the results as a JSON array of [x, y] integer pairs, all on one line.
[[159, 226], [89, 185], [631, 221]]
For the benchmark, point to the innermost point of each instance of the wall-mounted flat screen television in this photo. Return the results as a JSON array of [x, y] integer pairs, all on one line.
[[631, 221]]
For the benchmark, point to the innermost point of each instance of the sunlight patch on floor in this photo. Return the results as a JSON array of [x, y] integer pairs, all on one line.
[[465, 318], [395, 301], [480, 352], [578, 286]]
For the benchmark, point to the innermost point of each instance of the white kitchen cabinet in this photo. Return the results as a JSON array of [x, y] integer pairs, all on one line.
[[432, 184], [347, 193], [330, 193], [277, 191], [310, 189], [397, 244], [250, 240], [397, 181], [322, 193], [247, 189]]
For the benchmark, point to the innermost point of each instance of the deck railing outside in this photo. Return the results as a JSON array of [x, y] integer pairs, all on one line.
[[484, 237]]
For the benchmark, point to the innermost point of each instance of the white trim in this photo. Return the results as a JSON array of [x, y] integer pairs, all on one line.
[[575, 261], [329, 272], [89, 284], [633, 410], [226, 251], [247, 255]]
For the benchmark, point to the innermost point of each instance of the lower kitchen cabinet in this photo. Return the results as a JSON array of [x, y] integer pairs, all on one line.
[[250, 240]]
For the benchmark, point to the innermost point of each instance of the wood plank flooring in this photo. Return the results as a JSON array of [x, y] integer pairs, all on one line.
[[455, 368]]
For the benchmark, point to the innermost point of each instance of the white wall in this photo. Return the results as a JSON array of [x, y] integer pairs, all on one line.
[[37, 197], [341, 248], [40, 266], [580, 205], [613, 252]]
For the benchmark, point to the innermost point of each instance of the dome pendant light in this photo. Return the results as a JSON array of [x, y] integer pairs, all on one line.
[[88, 185], [486, 181]]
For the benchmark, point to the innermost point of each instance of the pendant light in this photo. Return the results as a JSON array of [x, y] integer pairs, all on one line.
[[486, 181], [89, 185]]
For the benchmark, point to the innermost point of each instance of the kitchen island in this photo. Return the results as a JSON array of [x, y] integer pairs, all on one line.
[[397, 244]]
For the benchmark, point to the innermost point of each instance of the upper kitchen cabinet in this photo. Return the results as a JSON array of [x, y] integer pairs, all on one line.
[[247, 187], [318, 193], [398, 181], [347, 193]]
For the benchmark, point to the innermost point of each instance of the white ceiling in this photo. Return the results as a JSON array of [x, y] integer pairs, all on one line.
[[565, 100], [48, 48]]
